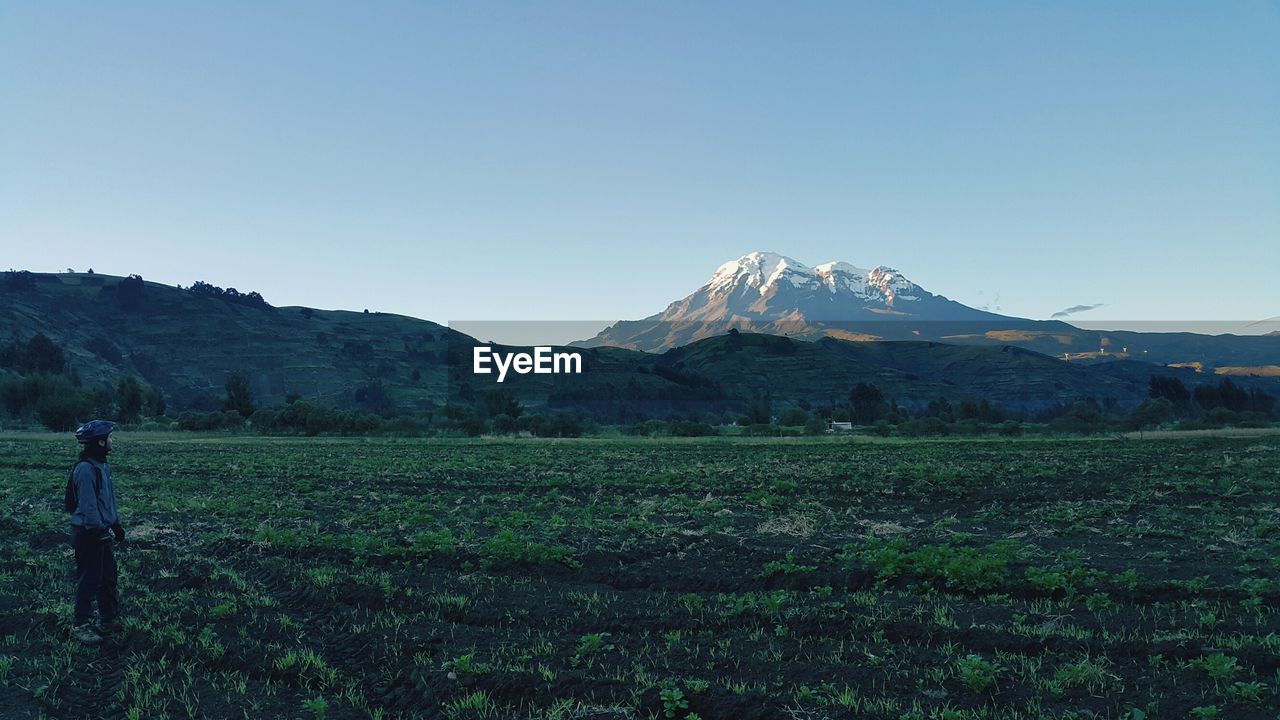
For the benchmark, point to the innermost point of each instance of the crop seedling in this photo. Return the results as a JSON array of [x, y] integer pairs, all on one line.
[[787, 566], [467, 665], [317, 707], [975, 673], [507, 548], [1250, 692], [673, 701], [697, 687], [472, 706], [1219, 667], [589, 645]]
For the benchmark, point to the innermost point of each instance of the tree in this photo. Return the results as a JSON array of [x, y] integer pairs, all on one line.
[[792, 417], [1234, 397], [940, 408], [867, 403], [504, 424], [564, 423], [761, 409], [735, 340], [1170, 388], [129, 292], [61, 411], [814, 426], [1084, 417], [1226, 394], [498, 403], [153, 402], [1150, 413], [374, 396], [239, 395], [129, 399], [41, 355]]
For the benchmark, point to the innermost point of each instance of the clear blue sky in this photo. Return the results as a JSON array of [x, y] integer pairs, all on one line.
[[597, 160]]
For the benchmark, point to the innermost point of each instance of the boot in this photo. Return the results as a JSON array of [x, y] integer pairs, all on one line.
[[85, 634]]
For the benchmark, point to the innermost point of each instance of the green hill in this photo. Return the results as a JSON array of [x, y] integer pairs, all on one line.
[[186, 344], [187, 341]]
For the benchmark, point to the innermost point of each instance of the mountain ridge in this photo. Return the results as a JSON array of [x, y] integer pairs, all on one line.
[[771, 293], [186, 342]]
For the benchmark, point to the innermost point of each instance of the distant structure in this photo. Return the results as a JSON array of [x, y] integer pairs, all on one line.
[[833, 426]]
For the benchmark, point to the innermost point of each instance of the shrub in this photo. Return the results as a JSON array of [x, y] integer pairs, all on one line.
[[959, 568], [239, 395], [689, 428], [564, 423], [507, 548], [814, 426], [975, 673], [918, 427], [60, 412], [784, 567], [792, 417], [203, 422], [1010, 428], [52, 400]]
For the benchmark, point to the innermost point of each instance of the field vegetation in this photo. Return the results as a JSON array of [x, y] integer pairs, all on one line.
[[748, 578]]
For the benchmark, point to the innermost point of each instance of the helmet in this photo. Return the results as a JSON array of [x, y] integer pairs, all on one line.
[[94, 430]]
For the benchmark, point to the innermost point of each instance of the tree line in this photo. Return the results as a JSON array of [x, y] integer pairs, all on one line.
[[38, 385]]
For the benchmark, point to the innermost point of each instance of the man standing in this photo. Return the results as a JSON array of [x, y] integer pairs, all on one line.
[[91, 500]]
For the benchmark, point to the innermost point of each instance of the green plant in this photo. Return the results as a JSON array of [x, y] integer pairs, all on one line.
[[1246, 691], [1218, 667], [784, 567], [962, 568], [1193, 586], [589, 645], [437, 542], [697, 687], [287, 662], [1098, 601], [673, 701], [975, 673], [467, 665], [222, 610], [1127, 580], [475, 705], [507, 548], [1085, 673], [318, 707]]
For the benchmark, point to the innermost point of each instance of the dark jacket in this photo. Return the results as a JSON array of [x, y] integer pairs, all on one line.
[[95, 510]]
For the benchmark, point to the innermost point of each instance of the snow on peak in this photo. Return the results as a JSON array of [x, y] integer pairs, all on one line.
[[762, 270], [835, 266], [891, 284]]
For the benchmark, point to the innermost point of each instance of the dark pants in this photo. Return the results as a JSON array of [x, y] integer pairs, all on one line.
[[96, 570]]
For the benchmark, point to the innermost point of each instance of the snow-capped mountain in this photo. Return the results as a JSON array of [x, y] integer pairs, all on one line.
[[771, 293]]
